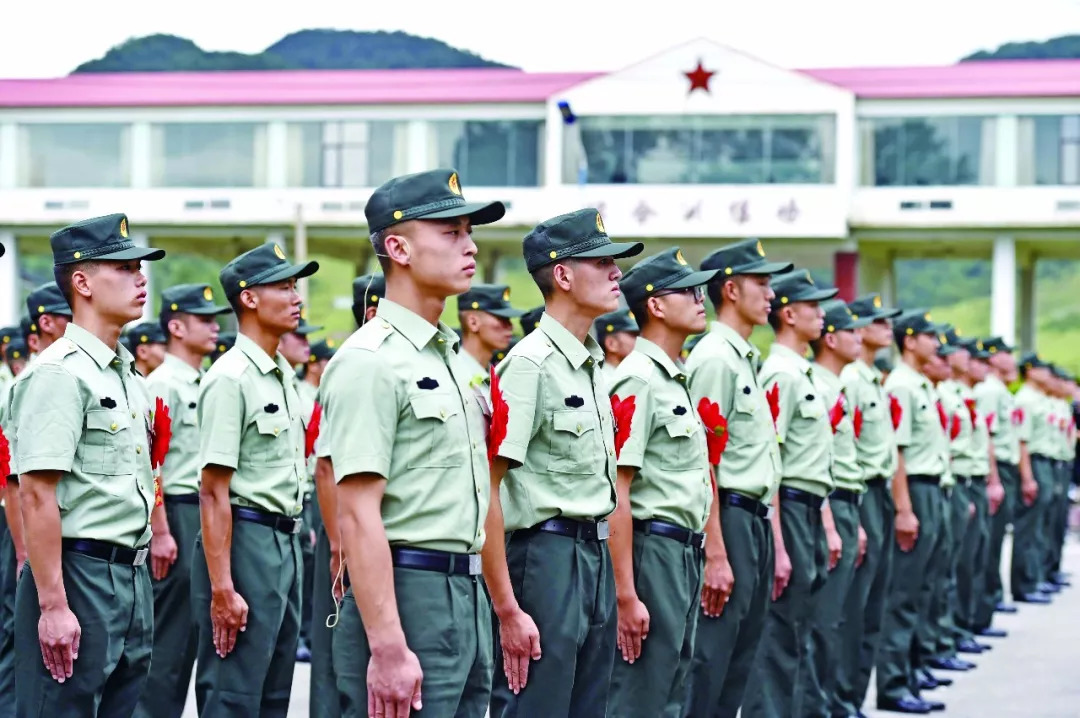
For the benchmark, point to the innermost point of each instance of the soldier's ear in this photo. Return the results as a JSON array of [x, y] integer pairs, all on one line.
[[249, 299], [561, 276]]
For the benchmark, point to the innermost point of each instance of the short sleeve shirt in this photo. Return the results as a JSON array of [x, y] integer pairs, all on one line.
[[876, 443], [846, 472], [397, 404], [919, 435], [723, 369], [479, 377], [81, 409], [560, 431], [309, 394], [666, 444], [176, 383], [1035, 426], [996, 404], [250, 421]]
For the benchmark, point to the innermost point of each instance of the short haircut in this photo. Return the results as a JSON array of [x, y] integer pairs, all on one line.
[[545, 280], [62, 274], [237, 305], [774, 319], [166, 316], [641, 313], [378, 243], [818, 344]]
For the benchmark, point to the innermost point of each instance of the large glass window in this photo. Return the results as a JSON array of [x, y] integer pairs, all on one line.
[[490, 153], [74, 155], [346, 154], [727, 149], [1049, 150], [210, 154], [927, 151]]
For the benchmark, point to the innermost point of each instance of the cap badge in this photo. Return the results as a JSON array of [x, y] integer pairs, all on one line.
[[454, 186], [123, 228], [760, 249], [679, 258], [278, 252], [506, 294], [808, 277], [208, 294], [600, 223], [877, 301]]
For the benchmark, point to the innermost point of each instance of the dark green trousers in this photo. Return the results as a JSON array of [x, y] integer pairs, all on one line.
[[114, 605], [944, 633], [175, 638], [7, 622], [1028, 563], [780, 674], [726, 647], [307, 552], [1058, 517], [909, 594], [667, 577], [864, 611], [994, 591], [256, 678], [568, 589], [324, 702], [447, 624], [827, 623], [971, 566]]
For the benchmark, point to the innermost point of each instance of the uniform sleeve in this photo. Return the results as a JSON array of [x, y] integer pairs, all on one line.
[[221, 411], [712, 380], [986, 404], [788, 399], [361, 410], [1024, 428], [907, 415], [48, 413], [641, 426], [519, 381]]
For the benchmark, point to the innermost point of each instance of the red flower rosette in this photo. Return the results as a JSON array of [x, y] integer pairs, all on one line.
[[311, 435], [160, 437], [954, 427], [773, 397], [990, 418], [5, 459], [856, 421], [971, 410], [836, 414], [500, 414], [896, 411], [623, 411], [1017, 416], [942, 417], [716, 431]]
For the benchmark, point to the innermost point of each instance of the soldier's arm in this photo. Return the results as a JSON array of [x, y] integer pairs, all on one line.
[[163, 548], [907, 525], [326, 495], [41, 514], [14, 521]]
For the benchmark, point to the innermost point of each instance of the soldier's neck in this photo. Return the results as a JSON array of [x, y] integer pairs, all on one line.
[[267, 341], [669, 340], [788, 338], [912, 361], [184, 354], [402, 291], [831, 361], [569, 313], [104, 328], [729, 315], [475, 348], [868, 354]]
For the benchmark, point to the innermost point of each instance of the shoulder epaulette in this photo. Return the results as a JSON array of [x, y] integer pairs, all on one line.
[[232, 364], [370, 336], [535, 347], [55, 352]]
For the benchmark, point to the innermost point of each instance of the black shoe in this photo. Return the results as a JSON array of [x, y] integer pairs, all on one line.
[[934, 705], [951, 664], [1006, 608], [907, 704], [941, 680], [1061, 578], [1047, 587], [303, 654], [1034, 597], [927, 682], [969, 646], [991, 632]]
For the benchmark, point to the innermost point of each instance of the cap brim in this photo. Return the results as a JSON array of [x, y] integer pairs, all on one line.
[[148, 254], [821, 295], [946, 349], [694, 279], [507, 313], [477, 212], [861, 322], [208, 311], [299, 271], [618, 250], [885, 314], [765, 268]]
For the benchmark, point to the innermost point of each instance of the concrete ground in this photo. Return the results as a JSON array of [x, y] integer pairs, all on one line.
[[1030, 673]]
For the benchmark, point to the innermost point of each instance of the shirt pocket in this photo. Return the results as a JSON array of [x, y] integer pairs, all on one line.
[[273, 445], [574, 447], [682, 450], [744, 417], [108, 447], [811, 409], [439, 442]]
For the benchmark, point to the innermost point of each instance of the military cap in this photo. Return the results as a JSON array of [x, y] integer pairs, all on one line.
[[501, 354], [978, 349], [665, 271], [798, 286], [579, 234], [1060, 372], [620, 320], [265, 264], [191, 299], [530, 320], [143, 333], [996, 344], [883, 363], [951, 341], [46, 299], [435, 194], [16, 349], [869, 305], [839, 318], [98, 239], [322, 350], [368, 289], [1031, 360], [302, 327], [8, 334], [746, 257], [490, 298], [27, 328], [225, 342], [916, 321]]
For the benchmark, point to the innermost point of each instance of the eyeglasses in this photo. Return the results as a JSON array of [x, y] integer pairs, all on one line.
[[697, 292]]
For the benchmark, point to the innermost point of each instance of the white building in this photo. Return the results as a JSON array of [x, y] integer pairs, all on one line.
[[698, 145]]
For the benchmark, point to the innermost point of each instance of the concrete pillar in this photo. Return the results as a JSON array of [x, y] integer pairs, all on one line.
[[554, 130], [876, 274], [418, 139], [141, 239], [277, 154], [141, 155], [1003, 289], [846, 274], [1006, 150], [1028, 335], [9, 280]]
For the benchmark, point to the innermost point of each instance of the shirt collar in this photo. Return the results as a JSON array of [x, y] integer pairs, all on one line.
[[868, 372], [788, 356], [574, 351], [742, 346], [675, 369], [102, 355], [182, 369], [822, 372], [260, 358], [415, 328], [906, 369]]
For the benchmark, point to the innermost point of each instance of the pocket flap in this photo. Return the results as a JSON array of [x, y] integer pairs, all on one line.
[[271, 425], [681, 426], [434, 406], [745, 403], [110, 420], [811, 409], [573, 421]]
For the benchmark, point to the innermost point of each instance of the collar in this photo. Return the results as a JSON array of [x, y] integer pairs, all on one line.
[[788, 356], [674, 369], [822, 372], [915, 376], [102, 355], [415, 328], [744, 348], [182, 369], [575, 352], [260, 358], [868, 372]]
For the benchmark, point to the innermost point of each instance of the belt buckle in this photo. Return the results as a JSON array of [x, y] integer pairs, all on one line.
[[297, 525], [769, 510], [140, 556], [476, 566], [602, 530], [704, 536]]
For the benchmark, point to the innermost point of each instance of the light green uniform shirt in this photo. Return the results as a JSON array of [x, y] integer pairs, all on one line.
[[964, 450], [81, 409], [876, 443], [177, 384], [250, 421], [667, 443], [479, 376], [919, 435], [994, 399], [846, 471], [1061, 413], [397, 403], [308, 394], [723, 369], [948, 478], [802, 426], [560, 432], [1035, 428]]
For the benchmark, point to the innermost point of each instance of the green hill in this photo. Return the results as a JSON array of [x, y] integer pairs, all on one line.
[[1065, 47]]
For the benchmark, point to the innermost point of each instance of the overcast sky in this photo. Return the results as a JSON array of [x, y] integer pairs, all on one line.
[[47, 39]]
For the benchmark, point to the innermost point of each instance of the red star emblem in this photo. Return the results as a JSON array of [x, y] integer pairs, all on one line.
[[699, 78]]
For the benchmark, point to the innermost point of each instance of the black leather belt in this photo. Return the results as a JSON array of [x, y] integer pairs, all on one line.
[[107, 551], [851, 497], [670, 531], [467, 564], [182, 499], [977, 479], [877, 481], [759, 509], [584, 530], [803, 497], [278, 522], [924, 479]]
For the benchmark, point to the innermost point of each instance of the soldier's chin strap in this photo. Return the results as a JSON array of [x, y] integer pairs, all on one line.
[[332, 619]]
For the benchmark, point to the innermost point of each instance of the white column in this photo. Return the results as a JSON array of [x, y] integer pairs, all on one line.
[[1003, 289], [141, 154], [8, 154], [1028, 335], [141, 239], [1006, 149], [277, 155], [554, 130], [9, 280], [418, 138]]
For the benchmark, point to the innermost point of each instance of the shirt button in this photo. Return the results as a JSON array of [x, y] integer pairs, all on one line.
[[133, 415], [442, 413], [579, 428], [277, 431], [138, 449], [112, 426]]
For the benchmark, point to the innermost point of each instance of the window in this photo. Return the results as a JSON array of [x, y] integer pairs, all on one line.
[[74, 155], [208, 155], [733, 149], [346, 154], [1049, 150], [500, 153], [927, 151]]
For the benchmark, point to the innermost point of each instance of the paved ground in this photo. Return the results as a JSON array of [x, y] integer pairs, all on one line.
[[1032, 673]]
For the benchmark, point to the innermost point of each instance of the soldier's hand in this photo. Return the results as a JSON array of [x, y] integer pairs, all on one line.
[[907, 530], [633, 628], [1029, 491], [393, 682], [59, 634], [163, 552], [228, 615], [781, 574], [717, 587], [836, 547], [995, 494], [520, 643], [863, 541]]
